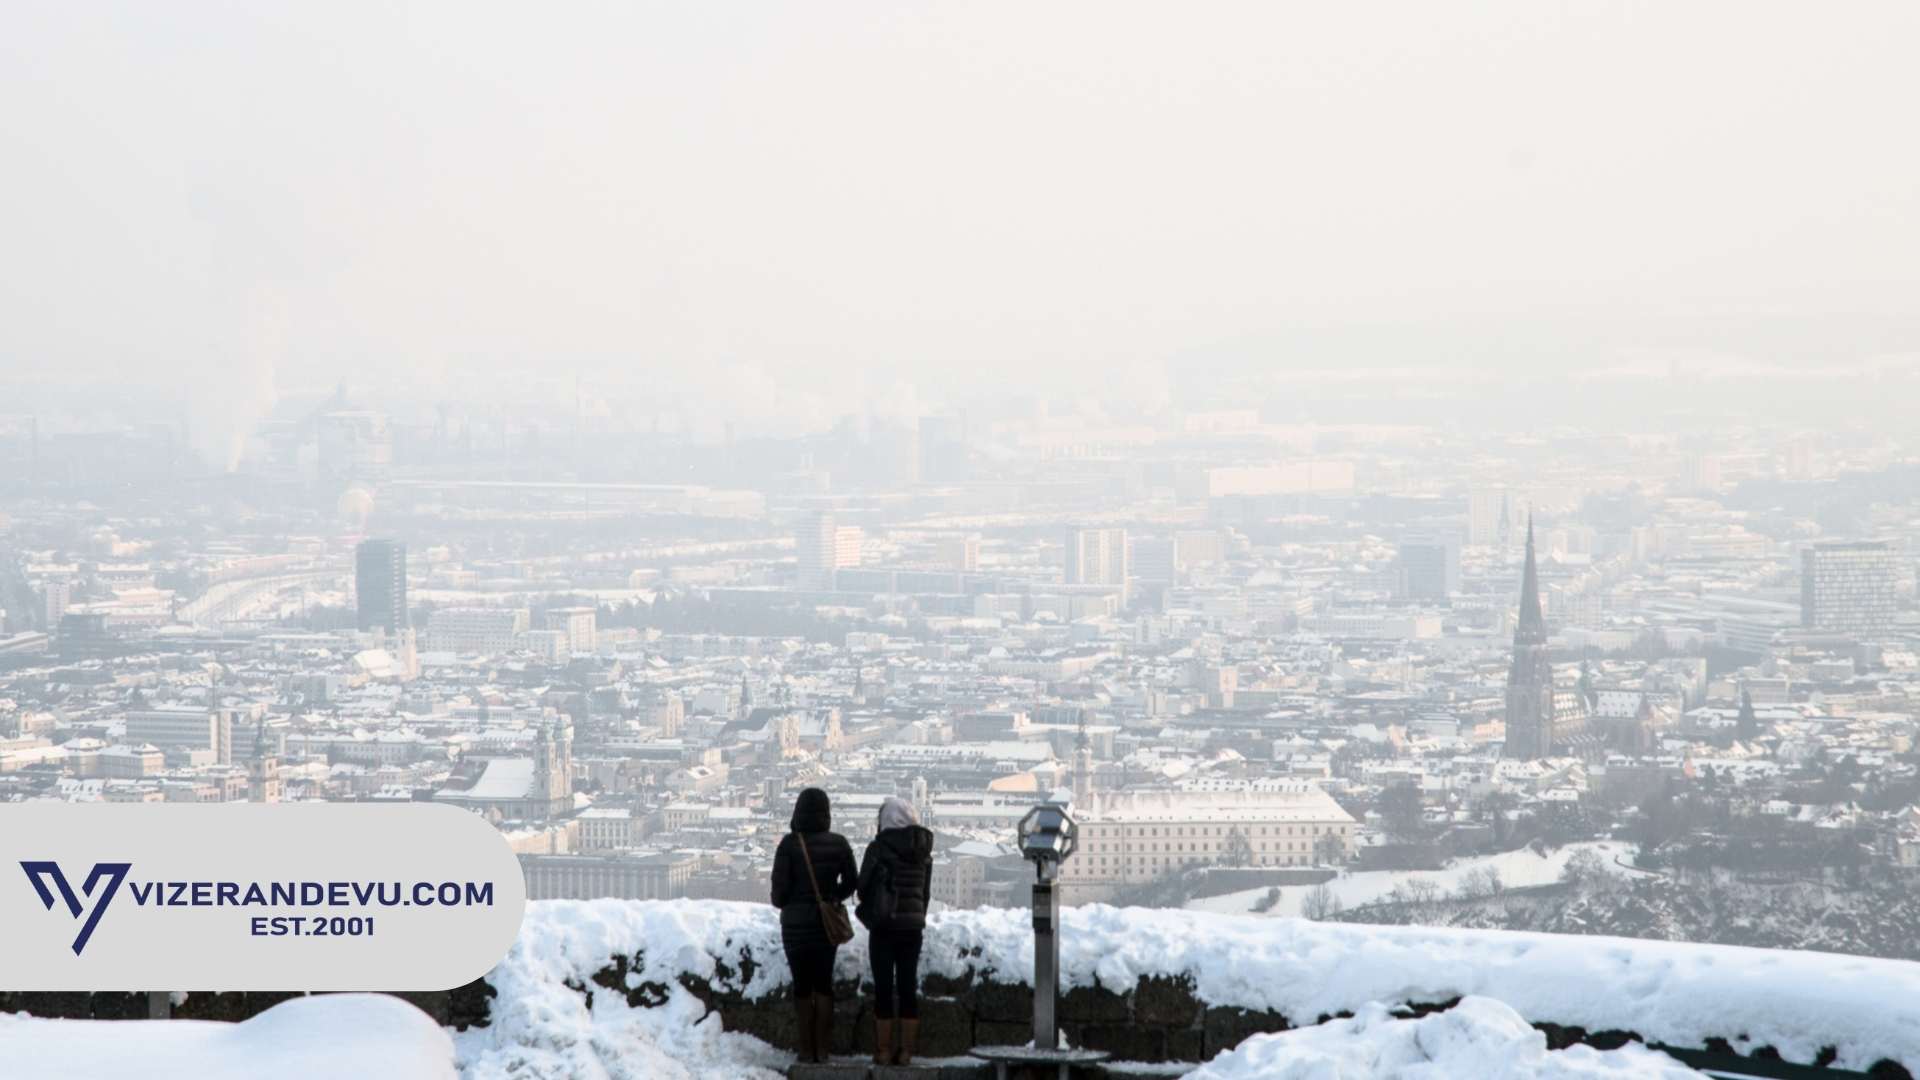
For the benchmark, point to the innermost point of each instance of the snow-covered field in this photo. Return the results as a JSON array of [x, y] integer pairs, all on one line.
[[1517, 869], [1479, 1037], [308, 1038]]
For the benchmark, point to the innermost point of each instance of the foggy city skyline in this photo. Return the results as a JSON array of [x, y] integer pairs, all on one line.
[[1235, 540]]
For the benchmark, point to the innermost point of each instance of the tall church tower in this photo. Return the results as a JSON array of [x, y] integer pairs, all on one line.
[[1530, 708], [553, 765], [1082, 768], [263, 768]]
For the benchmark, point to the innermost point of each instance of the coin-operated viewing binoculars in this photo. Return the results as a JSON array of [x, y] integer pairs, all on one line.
[[1047, 838]]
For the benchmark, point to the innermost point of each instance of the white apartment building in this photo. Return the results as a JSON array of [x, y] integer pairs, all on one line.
[[578, 623], [607, 828], [193, 727], [1096, 557], [960, 552], [549, 645], [822, 548], [476, 631]]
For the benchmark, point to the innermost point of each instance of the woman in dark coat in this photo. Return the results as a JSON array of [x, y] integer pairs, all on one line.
[[896, 878], [810, 952]]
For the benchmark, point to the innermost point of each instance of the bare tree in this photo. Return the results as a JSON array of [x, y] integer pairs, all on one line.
[[1238, 850], [1320, 903], [1481, 882], [1329, 850], [1421, 891]]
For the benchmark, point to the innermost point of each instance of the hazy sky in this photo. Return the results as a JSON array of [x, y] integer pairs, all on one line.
[[823, 206]]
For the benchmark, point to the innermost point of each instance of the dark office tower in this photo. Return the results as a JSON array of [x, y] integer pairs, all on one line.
[[1847, 588], [1429, 567], [380, 583], [1530, 705], [943, 449]]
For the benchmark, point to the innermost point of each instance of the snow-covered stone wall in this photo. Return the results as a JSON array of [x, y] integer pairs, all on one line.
[[684, 988], [1178, 985]]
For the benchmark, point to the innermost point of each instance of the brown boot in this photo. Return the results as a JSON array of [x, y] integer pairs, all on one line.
[[823, 1025], [882, 1041], [909, 1033], [808, 1049]]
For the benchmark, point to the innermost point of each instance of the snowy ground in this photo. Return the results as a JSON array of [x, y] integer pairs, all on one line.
[[1679, 994], [1516, 868], [541, 1030], [1479, 1037], [308, 1038]]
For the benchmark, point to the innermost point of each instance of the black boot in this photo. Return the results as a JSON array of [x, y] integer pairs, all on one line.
[[823, 1025], [807, 1035]]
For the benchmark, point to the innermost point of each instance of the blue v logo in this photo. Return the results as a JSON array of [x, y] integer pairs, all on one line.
[[40, 873]]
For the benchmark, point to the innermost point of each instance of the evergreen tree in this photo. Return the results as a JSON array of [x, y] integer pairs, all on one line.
[[1748, 724]]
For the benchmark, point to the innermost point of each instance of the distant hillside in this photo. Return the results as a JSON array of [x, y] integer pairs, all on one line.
[[1875, 918]]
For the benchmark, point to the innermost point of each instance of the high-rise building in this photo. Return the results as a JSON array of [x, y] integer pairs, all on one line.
[[1096, 557], [823, 547], [1702, 474], [1847, 587], [943, 449], [1494, 515], [814, 546], [1484, 509], [551, 646], [380, 585], [1429, 567], [960, 553], [59, 596], [1198, 547], [578, 623], [1153, 559]]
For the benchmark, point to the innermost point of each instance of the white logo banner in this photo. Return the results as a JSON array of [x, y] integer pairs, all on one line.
[[253, 896]]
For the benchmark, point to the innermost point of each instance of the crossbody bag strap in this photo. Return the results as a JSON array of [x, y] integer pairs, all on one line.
[[819, 900]]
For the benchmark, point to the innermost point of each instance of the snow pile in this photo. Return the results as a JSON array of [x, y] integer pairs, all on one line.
[[1479, 1037], [1521, 868], [542, 1029], [1667, 992], [305, 1038]]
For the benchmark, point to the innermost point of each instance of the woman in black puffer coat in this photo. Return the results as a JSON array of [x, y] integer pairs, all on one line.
[[896, 879], [810, 953]]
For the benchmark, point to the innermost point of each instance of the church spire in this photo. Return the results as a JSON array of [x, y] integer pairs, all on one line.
[[1531, 711], [1531, 622], [1083, 767]]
